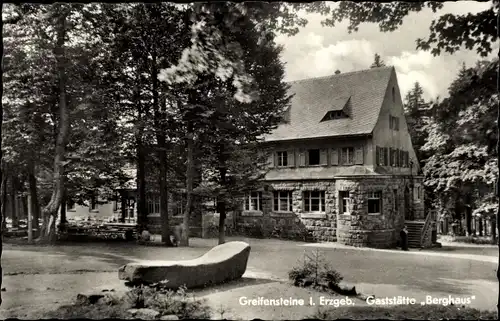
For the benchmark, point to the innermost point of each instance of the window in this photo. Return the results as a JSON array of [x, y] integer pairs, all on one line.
[[380, 156], [393, 95], [374, 202], [282, 159], [344, 202], [253, 201], [314, 157], [180, 204], [419, 193], [394, 157], [314, 201], [393, 122], [282, 201], [154, 205], [117, 206], [347, 156], [396, 201]]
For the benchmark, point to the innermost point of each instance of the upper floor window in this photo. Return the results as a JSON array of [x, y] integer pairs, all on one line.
[[393, 122], [347, 156], [314, 156], [374, 202], [393, 95], [314, 201], [282, 159], [253, 201], [344, 202], [282, 201]]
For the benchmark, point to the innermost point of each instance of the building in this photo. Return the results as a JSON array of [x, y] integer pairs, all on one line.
[[343, 167]]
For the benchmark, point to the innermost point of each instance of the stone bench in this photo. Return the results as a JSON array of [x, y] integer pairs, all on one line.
[[222, 263]]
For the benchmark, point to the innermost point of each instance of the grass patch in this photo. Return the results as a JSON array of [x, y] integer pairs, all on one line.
[[468, 239], [155, 297], [405, 312]]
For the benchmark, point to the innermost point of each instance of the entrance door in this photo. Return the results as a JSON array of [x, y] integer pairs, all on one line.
[[408, 209]]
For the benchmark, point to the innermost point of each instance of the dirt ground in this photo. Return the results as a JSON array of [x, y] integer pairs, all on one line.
[[39, 279]]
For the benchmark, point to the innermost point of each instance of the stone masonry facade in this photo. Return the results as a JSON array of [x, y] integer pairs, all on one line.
[[357, 228]]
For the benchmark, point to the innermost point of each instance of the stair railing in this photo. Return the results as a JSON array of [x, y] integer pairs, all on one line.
[[425, 229]]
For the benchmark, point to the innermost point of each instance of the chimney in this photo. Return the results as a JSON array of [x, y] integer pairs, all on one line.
[[337, 72]]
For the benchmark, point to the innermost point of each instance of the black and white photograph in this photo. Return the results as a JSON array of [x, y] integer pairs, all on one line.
[[250, 160]]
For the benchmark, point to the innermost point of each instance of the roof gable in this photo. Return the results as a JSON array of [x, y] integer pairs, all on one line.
[[359, 94]]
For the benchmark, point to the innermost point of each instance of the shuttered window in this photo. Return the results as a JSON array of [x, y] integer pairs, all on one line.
[[302, 158], [291, 158], [358, 156], [323, 157], [386, 156], [334, 156], [271, 160], [396, 156]]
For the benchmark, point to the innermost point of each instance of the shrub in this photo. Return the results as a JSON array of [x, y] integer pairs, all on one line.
[[156, 297], [315, 272]]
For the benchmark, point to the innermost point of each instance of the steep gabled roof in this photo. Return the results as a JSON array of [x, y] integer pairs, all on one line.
[[313, 98]]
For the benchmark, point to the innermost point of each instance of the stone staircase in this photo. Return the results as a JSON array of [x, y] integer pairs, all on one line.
[[415, 233]]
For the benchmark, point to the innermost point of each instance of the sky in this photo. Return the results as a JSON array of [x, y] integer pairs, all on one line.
[[319, 51]]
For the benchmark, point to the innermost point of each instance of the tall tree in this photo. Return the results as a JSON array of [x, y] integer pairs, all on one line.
[[377, 62]]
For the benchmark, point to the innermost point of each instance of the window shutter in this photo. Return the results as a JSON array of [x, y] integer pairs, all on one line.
[[401, 158], [397, 157], [386, 156], [334, 157], [407, 159], [291, 158], [271, 160], [358, 156], [377, 155], [323, 160], [302, 158]]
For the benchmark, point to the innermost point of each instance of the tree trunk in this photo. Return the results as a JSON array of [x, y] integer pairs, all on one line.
[[189, 184], [35, 206], [50, 211], [141, 183], [222, 203], [480, 226], [162, 151], [13, 202], [468, 220], [124, 207], [4, 199], [63, 211]]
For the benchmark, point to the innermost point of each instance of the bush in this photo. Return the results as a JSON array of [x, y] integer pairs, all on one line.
[[315, 272], [166, 302]]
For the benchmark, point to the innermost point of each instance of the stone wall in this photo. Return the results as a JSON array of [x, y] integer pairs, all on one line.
[[357, 228]]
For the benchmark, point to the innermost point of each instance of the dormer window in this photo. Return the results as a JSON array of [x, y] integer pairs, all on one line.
[[334, 114], [393, 95]]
